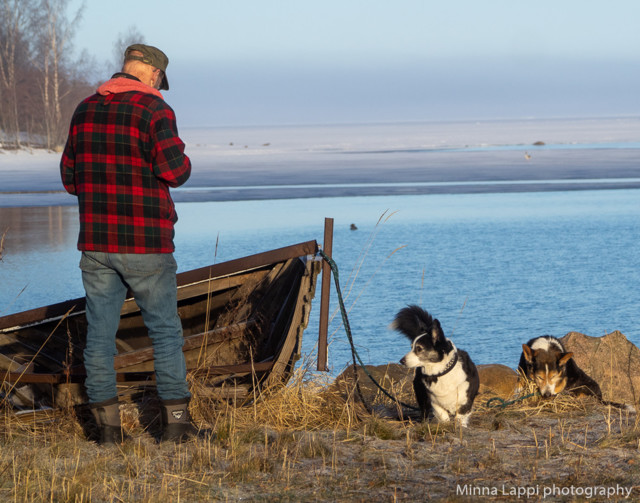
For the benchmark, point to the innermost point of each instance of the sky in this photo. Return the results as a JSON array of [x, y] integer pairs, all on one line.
[[274, 62]]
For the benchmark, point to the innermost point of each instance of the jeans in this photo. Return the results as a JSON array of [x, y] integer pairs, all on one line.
[[152, 280]]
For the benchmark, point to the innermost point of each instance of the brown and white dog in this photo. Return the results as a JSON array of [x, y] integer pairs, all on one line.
[[446, 380], [545, 361]]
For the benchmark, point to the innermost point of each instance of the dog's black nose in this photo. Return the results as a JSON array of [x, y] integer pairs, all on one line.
[[402, 361]]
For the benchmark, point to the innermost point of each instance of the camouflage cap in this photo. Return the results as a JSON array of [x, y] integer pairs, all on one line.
[[151, 56]]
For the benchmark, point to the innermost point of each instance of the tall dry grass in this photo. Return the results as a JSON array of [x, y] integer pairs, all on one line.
[[301, 442], [2, 238], [45, 455]]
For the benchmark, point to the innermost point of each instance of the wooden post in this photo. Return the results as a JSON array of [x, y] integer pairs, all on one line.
[[327, 247]]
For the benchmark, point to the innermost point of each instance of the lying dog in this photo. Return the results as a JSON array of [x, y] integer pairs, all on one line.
[[446, 380], [545, 361]]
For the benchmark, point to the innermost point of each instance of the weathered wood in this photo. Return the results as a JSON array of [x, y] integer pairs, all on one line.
[[327, 248], [251, 262], [242, 325], [291, 342], [146, 377], [131, 358]]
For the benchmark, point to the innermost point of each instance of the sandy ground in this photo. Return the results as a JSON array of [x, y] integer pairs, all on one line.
[[528, 452]]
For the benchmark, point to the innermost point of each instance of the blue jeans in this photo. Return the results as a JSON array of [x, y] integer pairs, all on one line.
[[152, 280]]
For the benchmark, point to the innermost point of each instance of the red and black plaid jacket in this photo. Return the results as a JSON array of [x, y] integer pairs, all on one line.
[[122, 155]]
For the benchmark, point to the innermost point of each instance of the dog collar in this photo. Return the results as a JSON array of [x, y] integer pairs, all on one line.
[[447, 369]]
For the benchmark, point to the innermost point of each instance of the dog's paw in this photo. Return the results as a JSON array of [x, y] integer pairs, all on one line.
[[441, 415], [463, 419]]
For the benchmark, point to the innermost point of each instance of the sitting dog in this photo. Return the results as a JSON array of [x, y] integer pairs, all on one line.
[[446, 381], [545, 361]]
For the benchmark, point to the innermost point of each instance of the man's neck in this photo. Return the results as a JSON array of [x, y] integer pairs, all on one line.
[[125, 75]]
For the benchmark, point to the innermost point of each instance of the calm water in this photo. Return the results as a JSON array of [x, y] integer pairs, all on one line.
[[496, 269]]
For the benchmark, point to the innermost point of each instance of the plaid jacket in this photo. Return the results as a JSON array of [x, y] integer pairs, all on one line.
[[122, 155]]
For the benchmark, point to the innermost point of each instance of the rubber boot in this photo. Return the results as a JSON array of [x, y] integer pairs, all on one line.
[[176, 421], [107, 416]]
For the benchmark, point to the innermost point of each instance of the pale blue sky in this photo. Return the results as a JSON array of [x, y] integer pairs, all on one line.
[[245, 62]]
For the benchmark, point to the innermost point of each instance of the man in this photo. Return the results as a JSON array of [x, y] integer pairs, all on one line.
[[122, 155]]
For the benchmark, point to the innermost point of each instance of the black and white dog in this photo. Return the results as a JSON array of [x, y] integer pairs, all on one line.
[[446, 380]]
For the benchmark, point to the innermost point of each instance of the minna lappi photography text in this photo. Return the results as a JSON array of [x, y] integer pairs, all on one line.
[[546, 491]]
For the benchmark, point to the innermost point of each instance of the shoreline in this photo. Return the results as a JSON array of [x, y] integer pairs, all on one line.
[[195, 194]]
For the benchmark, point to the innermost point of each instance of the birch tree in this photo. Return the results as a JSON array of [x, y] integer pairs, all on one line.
[[51, 56], [13, 59], [125, 39], [41, 81]]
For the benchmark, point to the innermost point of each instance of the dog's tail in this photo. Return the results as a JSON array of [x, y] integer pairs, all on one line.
[[413, 321]]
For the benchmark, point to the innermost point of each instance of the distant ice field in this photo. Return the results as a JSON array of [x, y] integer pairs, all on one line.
[[375, 159]]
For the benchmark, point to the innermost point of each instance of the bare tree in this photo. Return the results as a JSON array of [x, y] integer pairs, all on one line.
[[125, 39], [40, 81], [51, 56], [13, 55]]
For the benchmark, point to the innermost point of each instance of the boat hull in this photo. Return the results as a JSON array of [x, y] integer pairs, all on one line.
[[242, 320]]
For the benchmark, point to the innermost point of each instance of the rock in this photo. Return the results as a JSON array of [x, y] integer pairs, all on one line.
[[612, 361], [393, 377], [70, 394], [497, 380]]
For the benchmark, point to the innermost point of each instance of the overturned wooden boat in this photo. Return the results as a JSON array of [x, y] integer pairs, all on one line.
[[242, 320]]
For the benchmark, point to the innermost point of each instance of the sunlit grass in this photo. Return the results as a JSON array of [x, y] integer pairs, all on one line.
[[2, 238], [308, 441]]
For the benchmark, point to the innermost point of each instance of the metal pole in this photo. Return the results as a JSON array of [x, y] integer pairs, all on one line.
[[324, 297]]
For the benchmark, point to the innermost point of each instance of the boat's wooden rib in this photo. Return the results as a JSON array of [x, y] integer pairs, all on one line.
[[131, 361]]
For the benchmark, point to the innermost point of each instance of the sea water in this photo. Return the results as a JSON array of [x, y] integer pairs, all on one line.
[[496, 269]]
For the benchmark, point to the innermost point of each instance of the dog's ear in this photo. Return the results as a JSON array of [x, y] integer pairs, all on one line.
[[436, 331], [528, 354], [564, 358]]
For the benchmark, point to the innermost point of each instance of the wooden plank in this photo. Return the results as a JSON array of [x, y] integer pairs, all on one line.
[[250, 262], [192, 342], [234, 369], [79, 374], [327, 248], [206, 286], [11, 365], [53, 311]]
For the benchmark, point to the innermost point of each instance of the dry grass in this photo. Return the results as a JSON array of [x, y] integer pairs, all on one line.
[[2, 237], [305, 443]]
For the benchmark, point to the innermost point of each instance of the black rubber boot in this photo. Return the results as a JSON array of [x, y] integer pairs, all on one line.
[[107, 416], [176, 421]]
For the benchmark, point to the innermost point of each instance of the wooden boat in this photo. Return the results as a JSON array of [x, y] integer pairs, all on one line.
[[242, 320]]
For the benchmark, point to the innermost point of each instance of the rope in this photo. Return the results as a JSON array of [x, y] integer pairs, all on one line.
[[347, 329], [503, 404]]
